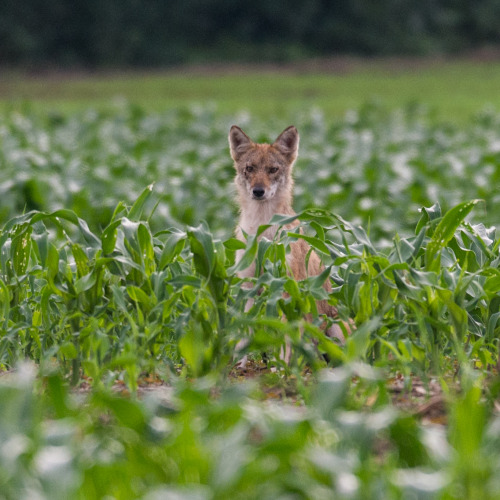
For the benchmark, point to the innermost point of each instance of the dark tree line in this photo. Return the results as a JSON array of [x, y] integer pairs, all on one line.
[[161, 32]]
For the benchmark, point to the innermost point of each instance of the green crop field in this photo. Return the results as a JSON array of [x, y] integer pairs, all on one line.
[[453, 90], [121, 306]]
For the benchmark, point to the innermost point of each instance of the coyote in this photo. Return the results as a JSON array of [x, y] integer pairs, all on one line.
[[265, 187]]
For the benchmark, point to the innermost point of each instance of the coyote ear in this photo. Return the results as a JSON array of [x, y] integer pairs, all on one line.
[[239, 142], [288, 143]]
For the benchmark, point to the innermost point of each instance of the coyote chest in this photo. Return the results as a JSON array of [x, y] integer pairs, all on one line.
[[250, 221]]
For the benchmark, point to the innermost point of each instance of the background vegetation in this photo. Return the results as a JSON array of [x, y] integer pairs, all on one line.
[[132, 33], [451, 91]]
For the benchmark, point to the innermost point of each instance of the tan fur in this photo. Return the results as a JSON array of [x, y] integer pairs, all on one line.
[[265, 187]]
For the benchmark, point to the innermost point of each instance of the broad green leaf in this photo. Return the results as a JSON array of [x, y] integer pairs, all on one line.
[[85, 282], [234, 244], [138, 295], [70, 216], [202, 246], [429, 214], [248, 256], [81, 260], [21, 248], [137, 208], [68, 350], [445, 231], [172, 248], [108, 237], [5, 298], [146, 245], [316, 243]]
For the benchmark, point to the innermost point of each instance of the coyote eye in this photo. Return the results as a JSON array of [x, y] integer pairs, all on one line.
[[249, 168], [273, 170]]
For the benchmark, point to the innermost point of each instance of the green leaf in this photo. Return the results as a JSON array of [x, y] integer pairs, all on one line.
[[316, 243], [358, 343], [147, 251], [137, 208], [21, 248], [202, 246], [248, 256], [81, 260], [234, 244], [108, 237], [85, 282], [70, 216], [429, 214], [138, 295], [68, 350], [172, 248], [5, 299], [444, 233]]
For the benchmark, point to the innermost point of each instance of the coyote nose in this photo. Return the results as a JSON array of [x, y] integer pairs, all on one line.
[[258, 191]]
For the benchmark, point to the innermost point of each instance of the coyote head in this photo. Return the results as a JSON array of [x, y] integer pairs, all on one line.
[[264, 171]]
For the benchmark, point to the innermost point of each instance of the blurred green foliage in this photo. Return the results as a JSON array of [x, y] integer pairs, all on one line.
[[132, 33], [192, 445]]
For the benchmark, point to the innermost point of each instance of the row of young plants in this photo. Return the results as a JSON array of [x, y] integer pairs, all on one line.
[[124, 303], [126, 300], [374, 167]]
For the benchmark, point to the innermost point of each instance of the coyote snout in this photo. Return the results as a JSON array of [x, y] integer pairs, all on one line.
[[258, 192]]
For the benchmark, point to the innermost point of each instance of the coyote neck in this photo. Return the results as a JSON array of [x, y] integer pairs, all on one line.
[[256, 213]]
